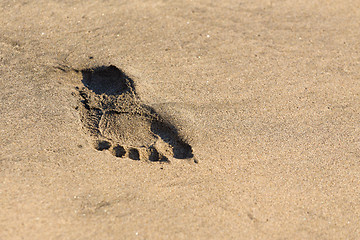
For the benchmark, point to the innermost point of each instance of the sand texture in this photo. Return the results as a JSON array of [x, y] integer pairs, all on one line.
[[180, 119]]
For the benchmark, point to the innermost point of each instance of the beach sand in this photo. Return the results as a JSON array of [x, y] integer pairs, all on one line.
[[266, 93]]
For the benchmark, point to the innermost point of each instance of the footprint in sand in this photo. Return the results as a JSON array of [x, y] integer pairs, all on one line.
[[119, 122]]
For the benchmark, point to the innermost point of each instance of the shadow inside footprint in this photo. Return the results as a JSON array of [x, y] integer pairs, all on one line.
[[108, 80], [169, 134], [118, 120], [118, 151], [134, 154]]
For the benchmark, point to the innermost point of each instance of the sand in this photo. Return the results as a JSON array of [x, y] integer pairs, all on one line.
[[266, 93]]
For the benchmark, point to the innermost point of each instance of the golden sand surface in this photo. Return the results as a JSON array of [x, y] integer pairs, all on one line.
[[259, 130]]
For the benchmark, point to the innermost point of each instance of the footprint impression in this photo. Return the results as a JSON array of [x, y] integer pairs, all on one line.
[[118, 121]]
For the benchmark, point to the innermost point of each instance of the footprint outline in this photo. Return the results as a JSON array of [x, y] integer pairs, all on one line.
[[110, 108]]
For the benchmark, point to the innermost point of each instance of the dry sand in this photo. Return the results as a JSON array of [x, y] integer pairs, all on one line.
[[266, 92]]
